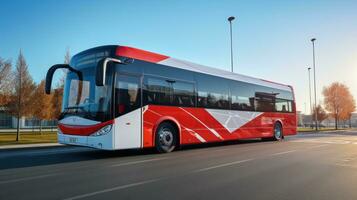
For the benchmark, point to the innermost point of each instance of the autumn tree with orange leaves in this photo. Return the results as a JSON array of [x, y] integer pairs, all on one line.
[[20, 104], [42, 104], [339, 101]]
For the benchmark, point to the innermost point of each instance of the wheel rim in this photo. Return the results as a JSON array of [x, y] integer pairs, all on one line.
[[166, 137], [277, 131]]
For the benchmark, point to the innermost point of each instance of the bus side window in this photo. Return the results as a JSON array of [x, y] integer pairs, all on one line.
[[213, 92], [242, 96], [157, 91], [127, 94], [183, 94]]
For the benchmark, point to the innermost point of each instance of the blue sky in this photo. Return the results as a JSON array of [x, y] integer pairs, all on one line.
[[271, 38]]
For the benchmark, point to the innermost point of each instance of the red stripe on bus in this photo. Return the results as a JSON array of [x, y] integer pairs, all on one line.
[[83, 130], [135, 53]]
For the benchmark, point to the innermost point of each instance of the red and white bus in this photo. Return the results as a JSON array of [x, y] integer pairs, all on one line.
[[118, 97]]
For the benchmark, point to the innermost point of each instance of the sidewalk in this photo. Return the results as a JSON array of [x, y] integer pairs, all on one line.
[[22, 146]]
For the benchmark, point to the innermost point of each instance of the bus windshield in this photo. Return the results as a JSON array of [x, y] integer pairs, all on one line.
[[83, 98]]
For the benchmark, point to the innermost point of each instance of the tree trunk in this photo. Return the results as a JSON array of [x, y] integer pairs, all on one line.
[[336, 121], [40, 127], [350, 122], [18, 129]]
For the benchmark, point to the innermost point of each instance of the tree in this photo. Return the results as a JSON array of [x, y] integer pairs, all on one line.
[[5, 81], [67, 59], [57, 93], [67, 56], [349, 107], [20, 104], [338, 101], [42, 104], [321, 114], [56, 103]]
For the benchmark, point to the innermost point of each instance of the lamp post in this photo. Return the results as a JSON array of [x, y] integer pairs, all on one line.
[[230, 19], [313, 61], [309, 68]]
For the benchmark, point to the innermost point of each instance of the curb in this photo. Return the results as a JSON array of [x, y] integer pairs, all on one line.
[[24, 146]]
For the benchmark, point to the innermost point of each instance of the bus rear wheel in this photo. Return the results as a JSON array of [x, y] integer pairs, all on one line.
[[165, 138], [278, 132]]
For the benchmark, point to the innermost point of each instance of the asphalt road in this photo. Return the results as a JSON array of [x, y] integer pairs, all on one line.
[[318, 166]]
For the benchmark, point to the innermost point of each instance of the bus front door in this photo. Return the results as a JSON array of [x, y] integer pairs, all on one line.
[[128, 116]]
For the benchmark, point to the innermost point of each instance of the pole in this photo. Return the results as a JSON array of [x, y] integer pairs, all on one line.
[[230, 25], [313, 58], [310, 93], [230, 19]]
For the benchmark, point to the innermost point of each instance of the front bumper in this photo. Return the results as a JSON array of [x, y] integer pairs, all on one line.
[[99, 142]]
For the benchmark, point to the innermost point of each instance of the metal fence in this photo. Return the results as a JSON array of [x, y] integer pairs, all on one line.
[[10, 122]]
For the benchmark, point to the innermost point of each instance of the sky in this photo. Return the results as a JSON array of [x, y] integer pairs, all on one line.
[[271, 39]]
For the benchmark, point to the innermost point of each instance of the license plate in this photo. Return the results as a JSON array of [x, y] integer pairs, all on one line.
[[72, 140]]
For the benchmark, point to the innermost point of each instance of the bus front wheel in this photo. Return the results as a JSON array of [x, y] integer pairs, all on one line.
[[165, 138]]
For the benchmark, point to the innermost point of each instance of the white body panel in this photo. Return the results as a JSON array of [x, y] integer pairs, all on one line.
[[128, 130], [233, 119]]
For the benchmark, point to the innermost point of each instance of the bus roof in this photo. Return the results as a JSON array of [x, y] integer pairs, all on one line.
[[148, 56]]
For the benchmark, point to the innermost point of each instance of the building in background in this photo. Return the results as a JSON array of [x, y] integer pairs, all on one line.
[[307, 121], [8, 122]]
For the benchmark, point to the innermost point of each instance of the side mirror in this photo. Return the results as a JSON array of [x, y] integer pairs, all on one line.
[[50, 73], [102, 69]]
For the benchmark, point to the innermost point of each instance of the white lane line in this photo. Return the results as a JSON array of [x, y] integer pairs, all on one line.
[[281, 153], [223, 165], [318, 146], [137, 162], [111, 189], [28, 178]]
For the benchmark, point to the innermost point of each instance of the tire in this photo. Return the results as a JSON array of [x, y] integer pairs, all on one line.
[[166, 138], [278, 132]]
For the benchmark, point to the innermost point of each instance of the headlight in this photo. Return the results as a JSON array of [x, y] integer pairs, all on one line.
[[103, 131]]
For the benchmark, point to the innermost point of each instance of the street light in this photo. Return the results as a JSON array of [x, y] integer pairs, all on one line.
[[230, 19], [313, 60], [309, 68]]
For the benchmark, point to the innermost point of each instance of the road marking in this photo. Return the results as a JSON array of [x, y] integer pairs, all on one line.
[[318, 146], [137, 162], [111, 189], [324, 141], [281, 153], [28, 178], [223, 165]]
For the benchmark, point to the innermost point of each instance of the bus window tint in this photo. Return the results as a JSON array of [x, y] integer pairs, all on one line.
[[213, 92], [282, 105], [157, 91], [183, 94], [127, 94], [264, 102], [242, 96], [290, 106]]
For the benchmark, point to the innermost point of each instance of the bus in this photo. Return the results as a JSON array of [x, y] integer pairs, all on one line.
[[119, 97]]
